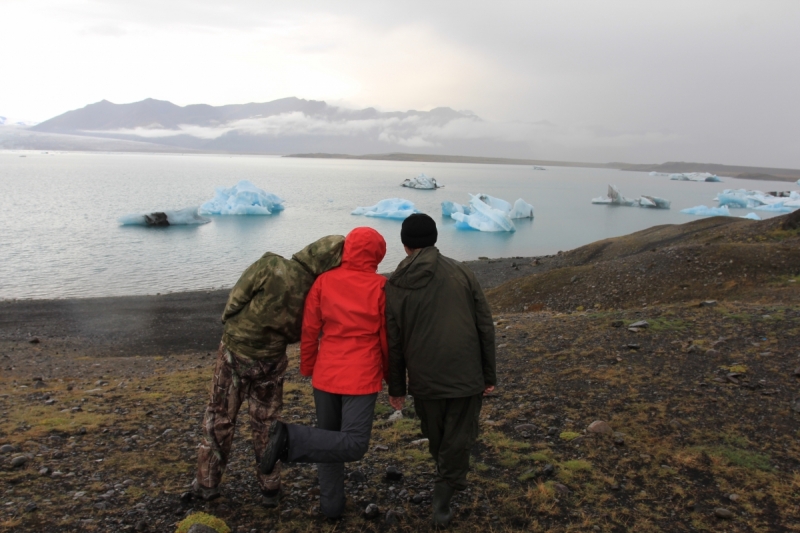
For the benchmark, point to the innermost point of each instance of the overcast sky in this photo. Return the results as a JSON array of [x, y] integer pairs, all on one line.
[[635, 81]]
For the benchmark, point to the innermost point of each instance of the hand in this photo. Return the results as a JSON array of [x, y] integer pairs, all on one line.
[[488, 390], [397, 402]]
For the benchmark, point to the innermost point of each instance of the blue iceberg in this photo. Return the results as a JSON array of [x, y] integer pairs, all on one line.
[[695, 176], [615, 197], [485, 217], [242, 199], [392, 208], [180, 217], [448, 208], [782, 202], [704, 211], [751, 216]]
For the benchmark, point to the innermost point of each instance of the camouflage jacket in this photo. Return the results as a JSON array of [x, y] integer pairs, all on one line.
[[264, 312]]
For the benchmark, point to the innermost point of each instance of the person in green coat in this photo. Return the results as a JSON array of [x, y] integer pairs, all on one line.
[[441, 335], [263, 315]]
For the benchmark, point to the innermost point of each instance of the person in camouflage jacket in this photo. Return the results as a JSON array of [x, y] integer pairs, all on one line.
[[263, 315]]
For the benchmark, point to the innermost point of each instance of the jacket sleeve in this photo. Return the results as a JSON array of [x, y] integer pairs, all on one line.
[[312, 324], [249, 283], [397, 362], [384, 340], [485, 325]]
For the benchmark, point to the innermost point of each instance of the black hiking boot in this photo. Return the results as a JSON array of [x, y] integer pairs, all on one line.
[[442, 514], [277, 447]]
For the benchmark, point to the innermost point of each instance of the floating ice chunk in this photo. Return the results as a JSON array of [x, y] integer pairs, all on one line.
[[704, 211], [448, 208], [777, 207], [495, 203], [422, 182], [484, 217], [601, 200], [617, 198], [538, 168], [244, 198], [694, 176], [179, 217], [655, 202], [782, 202], [751, 216], [732, 199], [654, 173], [393, 208], [521, 209]]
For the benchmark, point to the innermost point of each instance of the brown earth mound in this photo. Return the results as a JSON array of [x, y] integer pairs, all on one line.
[[714, 258]]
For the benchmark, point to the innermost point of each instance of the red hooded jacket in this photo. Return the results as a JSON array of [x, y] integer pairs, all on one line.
[[347, 305]]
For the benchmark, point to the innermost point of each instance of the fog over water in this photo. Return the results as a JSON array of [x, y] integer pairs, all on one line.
[[61, 236]]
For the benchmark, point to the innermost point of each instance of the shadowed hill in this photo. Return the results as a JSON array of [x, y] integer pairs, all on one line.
[[714, 258]]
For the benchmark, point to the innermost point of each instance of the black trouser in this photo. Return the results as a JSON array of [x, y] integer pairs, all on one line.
[[344, 425], [451, 426]]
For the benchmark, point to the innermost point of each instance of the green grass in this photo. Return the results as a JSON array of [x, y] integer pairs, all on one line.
[[569, 435], [382, 409], [660, 324], [576, 465], [740, 458]]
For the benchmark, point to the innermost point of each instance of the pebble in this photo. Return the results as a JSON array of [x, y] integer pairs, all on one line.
[[380, 448], [31, 507], [403, 494], [18, 461], [641, 324], [548, 470], [721, 512], [357, 477], [79, 494], [619, 438], [708, 303], [50, 402], [167, 432], [39, 384], [372, 511], [561, 488], [525, 427], [397, 415], [617, 324], [45, 471], [733, 497], [201, 528], [392, 517], [600, 427], [393, 474], [418, 442], [34, 340], [6, 448]]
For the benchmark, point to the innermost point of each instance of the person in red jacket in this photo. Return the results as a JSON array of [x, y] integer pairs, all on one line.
[[344, 351]]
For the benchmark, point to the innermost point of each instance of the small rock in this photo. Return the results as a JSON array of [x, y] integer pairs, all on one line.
[[141, 525], [372, 511], [186, 497], [34, 340], [393, 474], [633, 346], [39, 385], [617, 324], [418, 442], [45, 471], [31, 507], [552, 431], [708, 303], [6, 448], [201, 528], [563, 489], [796, 372], [392, 517], [548, 470], [599, 426], [168, 432], [403, 494], [417, 498], [19, 461], [380, 448], [693, 349], [79, 494], [82, 431], [721, 512], [619, 440], [51, 401], [357, 477], [525, 427], [397, 415], [640, 324], [733, 497]]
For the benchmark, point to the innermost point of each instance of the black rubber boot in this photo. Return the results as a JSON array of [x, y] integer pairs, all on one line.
[[442, 493], [277, 447]]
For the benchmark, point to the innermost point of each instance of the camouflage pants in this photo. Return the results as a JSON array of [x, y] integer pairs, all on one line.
[[237, 378]]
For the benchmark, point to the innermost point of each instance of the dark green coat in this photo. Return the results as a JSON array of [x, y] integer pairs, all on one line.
[[264, 312], [439, 329]]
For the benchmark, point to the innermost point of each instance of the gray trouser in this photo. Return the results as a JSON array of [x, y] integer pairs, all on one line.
[[344, 427]]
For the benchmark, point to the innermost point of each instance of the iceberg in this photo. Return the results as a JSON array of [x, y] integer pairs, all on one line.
[[244, 198], [448, 208], [181, 217], [751, 216], [704, 211], [695, 176], [521, 209], [484, 217], [774, 202], [654, 173], [615, 197], [421, 182], [535, 167], [392, 208]]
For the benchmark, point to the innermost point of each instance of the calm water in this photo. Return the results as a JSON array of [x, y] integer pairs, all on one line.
[[59, 235]]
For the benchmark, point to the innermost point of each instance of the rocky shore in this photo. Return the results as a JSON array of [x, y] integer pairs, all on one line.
[[649, 382]]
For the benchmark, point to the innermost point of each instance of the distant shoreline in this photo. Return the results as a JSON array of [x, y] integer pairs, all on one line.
[[728, 171]]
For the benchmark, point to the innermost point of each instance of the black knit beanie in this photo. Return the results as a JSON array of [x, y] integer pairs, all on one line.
[[419, 231]]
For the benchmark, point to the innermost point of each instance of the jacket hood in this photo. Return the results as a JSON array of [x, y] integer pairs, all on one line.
[[364, 249], [321, 255], [416, 270]]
